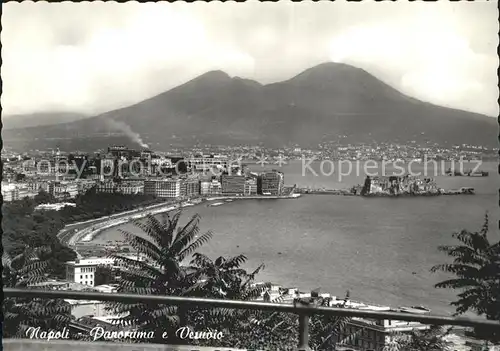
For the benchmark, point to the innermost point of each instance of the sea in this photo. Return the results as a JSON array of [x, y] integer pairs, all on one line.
[[381, 250]]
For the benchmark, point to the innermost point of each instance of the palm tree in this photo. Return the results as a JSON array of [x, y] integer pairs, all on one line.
[[476, 265], [165, 247], [23, 271], [223, 279], [327, 331]]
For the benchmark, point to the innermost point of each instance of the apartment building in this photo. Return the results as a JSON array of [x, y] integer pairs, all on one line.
[[211, 187], [83, 271], [270, 183], [190, 187], [205, 187], [251, 187], [208, 162], [167, 188], [233, 184], [128, 187]]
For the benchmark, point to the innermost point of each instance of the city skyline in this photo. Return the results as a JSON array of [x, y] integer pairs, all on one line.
[[92, 58]]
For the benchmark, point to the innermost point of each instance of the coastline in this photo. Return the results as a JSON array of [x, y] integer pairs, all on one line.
[[88, 233]]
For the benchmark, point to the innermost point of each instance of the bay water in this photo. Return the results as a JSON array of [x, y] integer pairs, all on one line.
[[380, 249]]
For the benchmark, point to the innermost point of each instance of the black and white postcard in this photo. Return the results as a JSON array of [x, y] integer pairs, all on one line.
[[250, 176]]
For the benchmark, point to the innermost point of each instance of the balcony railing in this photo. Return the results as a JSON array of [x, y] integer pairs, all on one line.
[[303, 310]]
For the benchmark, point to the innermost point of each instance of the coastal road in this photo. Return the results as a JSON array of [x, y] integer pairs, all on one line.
[[72, 230]]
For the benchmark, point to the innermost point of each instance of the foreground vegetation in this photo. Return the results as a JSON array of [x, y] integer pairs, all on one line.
[[23, 226], [175, 266]]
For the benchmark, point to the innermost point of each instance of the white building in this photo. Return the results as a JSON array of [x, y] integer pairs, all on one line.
[[9, 192], [80, 308], [83, 271], [168, 188]]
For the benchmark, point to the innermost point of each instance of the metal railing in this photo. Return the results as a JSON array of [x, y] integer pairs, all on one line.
[[303, 310]]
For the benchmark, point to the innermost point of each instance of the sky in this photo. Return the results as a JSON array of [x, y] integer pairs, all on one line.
[[94, 57]]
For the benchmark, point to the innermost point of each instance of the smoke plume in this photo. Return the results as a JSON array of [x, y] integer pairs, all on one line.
[[125, 128]]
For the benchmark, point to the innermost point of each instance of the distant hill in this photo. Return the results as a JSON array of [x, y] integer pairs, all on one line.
[[39, 119], [322, 103]]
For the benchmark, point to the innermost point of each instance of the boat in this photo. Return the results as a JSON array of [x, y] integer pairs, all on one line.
[[469, 173], [415, 309], [466, 190], [479, 174], [229, 200], [216, 204]]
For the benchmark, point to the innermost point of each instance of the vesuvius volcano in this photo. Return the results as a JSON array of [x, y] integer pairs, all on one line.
[[322, 103]]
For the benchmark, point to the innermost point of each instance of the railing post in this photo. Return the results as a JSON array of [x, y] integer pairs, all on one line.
[[303, 325], [304, 332]]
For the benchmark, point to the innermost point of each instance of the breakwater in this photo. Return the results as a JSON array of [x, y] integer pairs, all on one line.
[[345, 192], [254, 197]]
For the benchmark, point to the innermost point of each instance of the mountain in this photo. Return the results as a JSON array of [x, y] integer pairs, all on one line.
[[322, 103], [39, 119]]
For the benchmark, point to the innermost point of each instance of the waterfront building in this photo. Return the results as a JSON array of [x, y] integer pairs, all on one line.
[[270, 183], [128, 187], [167, 188], [215, 187], [190, 187], [233, 184], [251, 186], [205, 187], [210, 187]]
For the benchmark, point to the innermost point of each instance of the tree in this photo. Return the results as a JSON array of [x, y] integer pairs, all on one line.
[[327, 331], [44, 197], [103, 275], [24, 271], [476, 266], [165, 248], [432, 339], [224, 279], [57, 256]]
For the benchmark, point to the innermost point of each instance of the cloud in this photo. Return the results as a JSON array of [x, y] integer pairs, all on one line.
[[93, 57], [110, 64], [428, 59]]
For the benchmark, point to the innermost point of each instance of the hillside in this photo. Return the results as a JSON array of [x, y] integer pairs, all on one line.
[[39, 119], [321, 103]]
